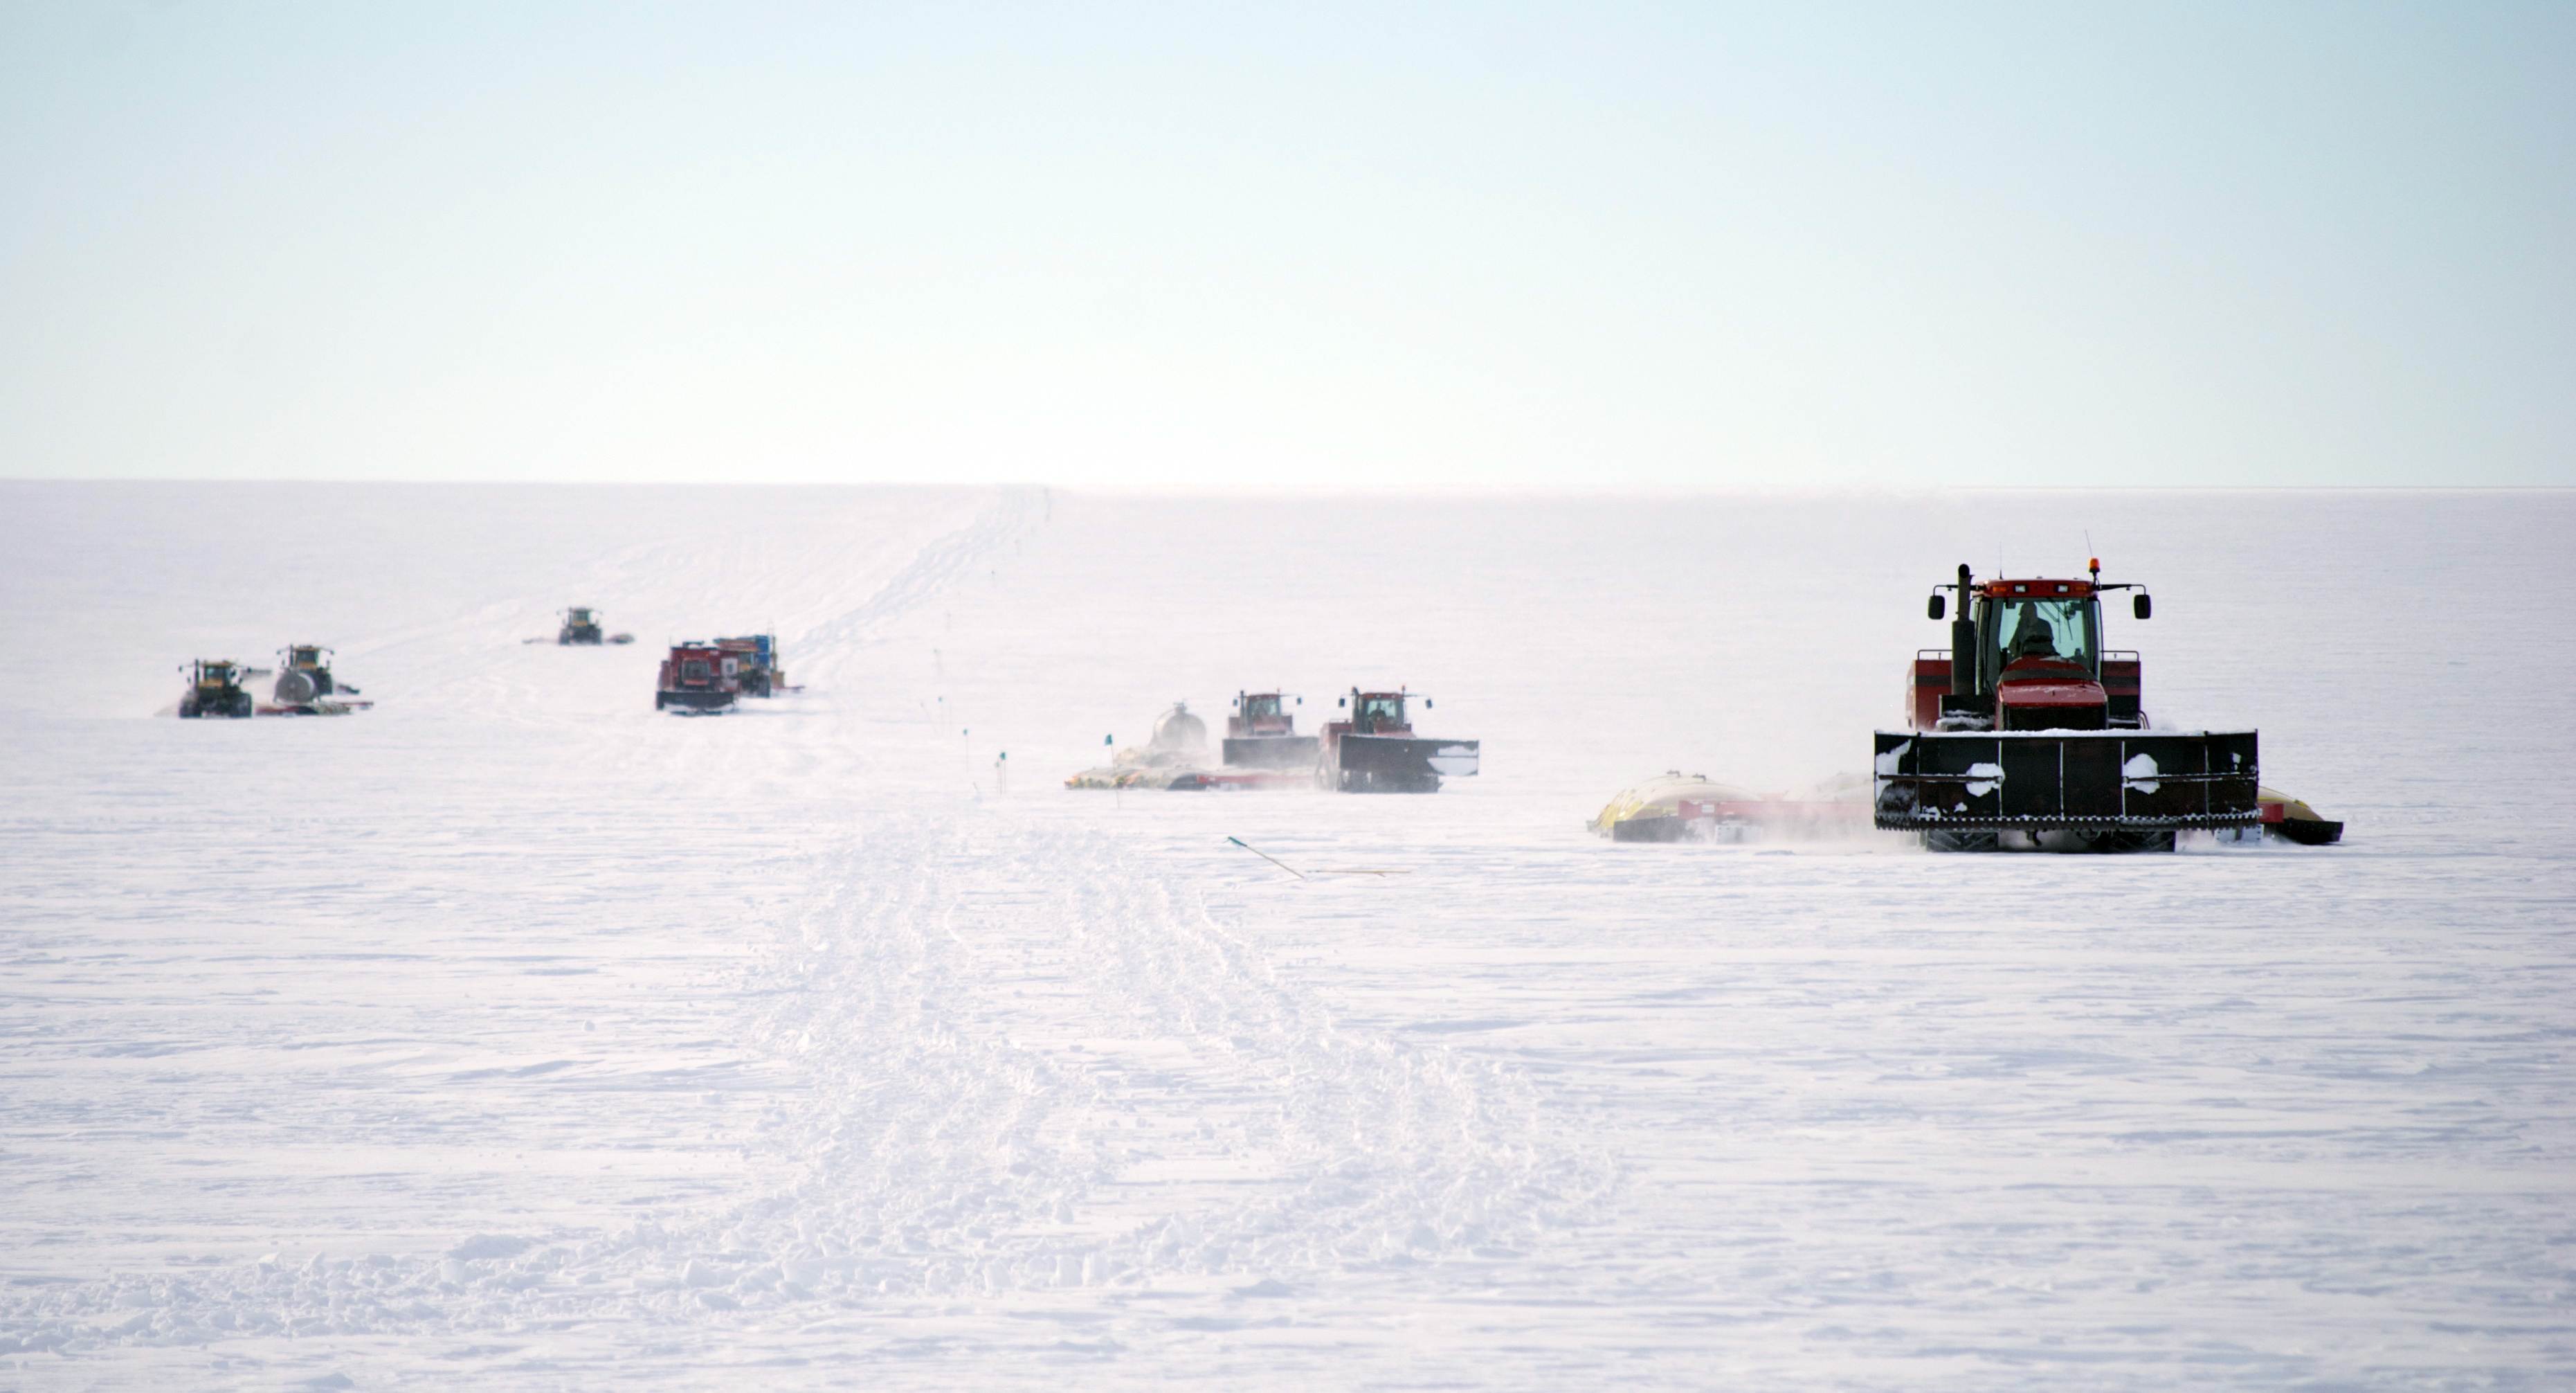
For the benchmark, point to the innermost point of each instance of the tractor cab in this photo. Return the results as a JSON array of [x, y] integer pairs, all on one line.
[[2038, 658], [580, 625], [1378, 713], [2026, 655], [1261, 714]]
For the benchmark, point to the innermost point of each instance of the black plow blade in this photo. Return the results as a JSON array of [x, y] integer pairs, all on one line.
[[2077, 781], [1403, 764]]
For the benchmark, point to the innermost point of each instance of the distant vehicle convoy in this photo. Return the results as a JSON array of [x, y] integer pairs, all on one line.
[[2024, 734]]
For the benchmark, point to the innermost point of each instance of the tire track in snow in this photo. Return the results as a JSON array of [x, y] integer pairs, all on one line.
[[1034, 1065], [1039, 1065], [650, 1273], [938, 564]]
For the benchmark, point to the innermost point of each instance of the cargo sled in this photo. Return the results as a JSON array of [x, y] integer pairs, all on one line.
[[2287, 819], [1678, 807], [757, 673], [1175, 760]]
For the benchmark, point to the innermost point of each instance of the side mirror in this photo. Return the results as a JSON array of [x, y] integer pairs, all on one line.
[[1426, 703], [1341, 701], [2144, 606], [1301, 701], [1940, 606]]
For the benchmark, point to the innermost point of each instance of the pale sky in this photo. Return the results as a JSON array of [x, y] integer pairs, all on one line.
[[1643, 247]]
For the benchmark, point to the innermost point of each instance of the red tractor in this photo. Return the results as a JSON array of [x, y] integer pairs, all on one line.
[[1376, 751], [698, 677], [2028, 735], [1262, 734]]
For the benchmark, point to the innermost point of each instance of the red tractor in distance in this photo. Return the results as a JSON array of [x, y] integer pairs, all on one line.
[[698, 677], [1262, 734], [1376, 751], [2028, 735]]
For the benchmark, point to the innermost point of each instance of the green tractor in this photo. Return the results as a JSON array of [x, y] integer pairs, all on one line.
[[215, 690]]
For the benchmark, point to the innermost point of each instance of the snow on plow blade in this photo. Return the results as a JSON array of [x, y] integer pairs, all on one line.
[[2043, 781], [1404, 763], [1270, 751]]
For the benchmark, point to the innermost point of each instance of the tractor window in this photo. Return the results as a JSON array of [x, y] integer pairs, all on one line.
[[2044, 629], [1374, 712], [1261, 706], [693, 670]]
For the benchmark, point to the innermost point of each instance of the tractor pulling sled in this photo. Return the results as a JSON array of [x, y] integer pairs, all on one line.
[[219, 688], [1262, 733], [701, 678], [2027, 735], [1376, 751], [581, 626], [306, 687]]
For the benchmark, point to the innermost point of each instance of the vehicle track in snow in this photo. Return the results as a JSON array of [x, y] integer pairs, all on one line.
[[1032, 1065], [932, 569], [1039, 1064]]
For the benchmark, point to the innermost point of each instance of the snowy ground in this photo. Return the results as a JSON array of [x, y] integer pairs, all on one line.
[[513, 1035]]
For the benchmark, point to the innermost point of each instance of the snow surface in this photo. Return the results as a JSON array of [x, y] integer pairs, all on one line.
[[513, 1035]]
